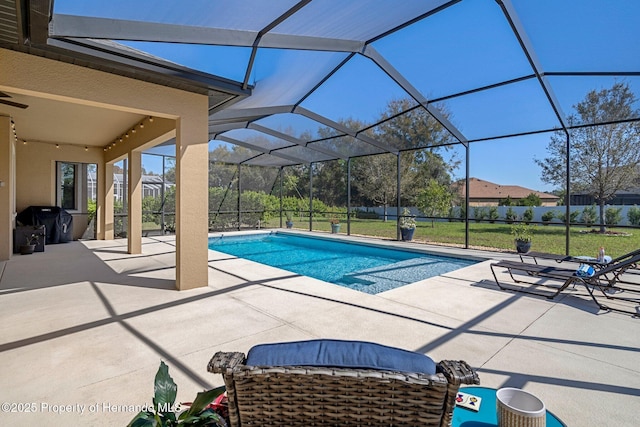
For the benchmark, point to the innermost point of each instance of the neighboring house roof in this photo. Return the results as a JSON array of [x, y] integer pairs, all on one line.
[[481, 189]]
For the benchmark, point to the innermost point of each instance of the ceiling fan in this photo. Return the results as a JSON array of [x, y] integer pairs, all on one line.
[[11, 103]]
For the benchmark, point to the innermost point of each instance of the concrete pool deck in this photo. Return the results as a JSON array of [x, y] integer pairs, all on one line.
[[85, 326]]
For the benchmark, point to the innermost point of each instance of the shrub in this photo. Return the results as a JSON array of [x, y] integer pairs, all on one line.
[[334, 213], [479, 213], [548, 216], [612, 216], [589, 215], [457, 212], [462, 213], [295, 205], [633, 215], [531, 200], [527, 215], [493, 214], [506, 202], [91, 209], [360, 214], [510, 215], [573, 216]]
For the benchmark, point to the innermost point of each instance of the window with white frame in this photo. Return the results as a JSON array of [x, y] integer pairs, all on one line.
[[75, 185]]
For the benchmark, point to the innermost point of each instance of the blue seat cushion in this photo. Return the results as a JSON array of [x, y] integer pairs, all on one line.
[[340, 354]]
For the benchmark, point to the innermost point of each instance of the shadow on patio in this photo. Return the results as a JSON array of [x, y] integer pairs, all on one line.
[[85, 323]]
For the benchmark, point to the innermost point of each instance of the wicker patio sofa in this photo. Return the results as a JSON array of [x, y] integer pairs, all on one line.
[[339, 383]]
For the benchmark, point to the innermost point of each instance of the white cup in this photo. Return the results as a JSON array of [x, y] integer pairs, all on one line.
[[517, 408]]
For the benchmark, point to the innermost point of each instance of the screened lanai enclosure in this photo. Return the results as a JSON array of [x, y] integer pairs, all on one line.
[[467, 116]]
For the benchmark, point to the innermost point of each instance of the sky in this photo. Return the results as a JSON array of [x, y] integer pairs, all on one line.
[[466, 46]]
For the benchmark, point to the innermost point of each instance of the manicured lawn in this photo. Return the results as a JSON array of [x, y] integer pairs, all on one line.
[[546, 238]]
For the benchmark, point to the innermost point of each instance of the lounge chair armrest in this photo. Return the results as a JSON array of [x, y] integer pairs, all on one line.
[[458, 372], [225, 362]]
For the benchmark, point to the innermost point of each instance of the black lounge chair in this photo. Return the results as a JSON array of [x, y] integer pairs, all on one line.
[[568, 258], [605, 279], [598, 264]]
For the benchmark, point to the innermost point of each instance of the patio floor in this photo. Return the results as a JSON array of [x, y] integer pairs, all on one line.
[[84, 326]]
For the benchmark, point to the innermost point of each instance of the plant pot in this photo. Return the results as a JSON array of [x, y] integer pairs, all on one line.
[[407, 233], [289, 224], [27, 249], [523, 246], [335, 228]]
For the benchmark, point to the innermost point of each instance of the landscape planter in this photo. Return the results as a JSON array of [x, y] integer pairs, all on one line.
[[522, 247], [27, 249], [335, 228], [407, 233]]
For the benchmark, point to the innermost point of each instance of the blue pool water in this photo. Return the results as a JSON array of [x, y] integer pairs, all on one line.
[[364, 268]]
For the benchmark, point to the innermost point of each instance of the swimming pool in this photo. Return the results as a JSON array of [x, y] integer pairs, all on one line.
[[365, 268]]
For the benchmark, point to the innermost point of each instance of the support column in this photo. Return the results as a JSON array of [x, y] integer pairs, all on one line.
[[239, 188], [104, 202], [192, 184], [134, 209], [280, 176], [466, 196], [398, 196], [7, 193], [349, 196], [567, 198], [310, 196]]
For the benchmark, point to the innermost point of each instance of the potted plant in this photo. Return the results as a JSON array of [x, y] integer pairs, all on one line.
[[522, 235], [407, 224], [335, 224], [201, 412], [30, 245], [289, 219], [170, 227]]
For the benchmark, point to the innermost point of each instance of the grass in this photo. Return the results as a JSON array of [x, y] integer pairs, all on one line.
[[495, 237]]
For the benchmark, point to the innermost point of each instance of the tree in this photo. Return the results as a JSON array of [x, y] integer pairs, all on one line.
[[435, 200], [375, 178], [331, 180], [506, 202], [405, 127], [170, 169], [531, 200], [604, 159], [418, 137]]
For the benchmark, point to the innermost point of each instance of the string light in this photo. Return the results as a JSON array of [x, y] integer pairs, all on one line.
[[126, 135], [13, 127]]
